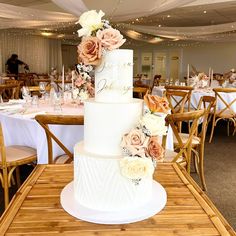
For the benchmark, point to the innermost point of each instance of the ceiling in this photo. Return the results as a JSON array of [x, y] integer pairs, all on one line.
[[204, 14]]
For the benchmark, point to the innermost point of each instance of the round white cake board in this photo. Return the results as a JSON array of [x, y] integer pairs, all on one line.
[[155, 205]]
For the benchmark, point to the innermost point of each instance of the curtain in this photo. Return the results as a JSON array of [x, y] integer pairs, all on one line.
[[41, 54]]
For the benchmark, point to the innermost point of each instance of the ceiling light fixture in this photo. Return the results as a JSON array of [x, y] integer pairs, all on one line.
[[205, 12], [168, 16], [46, 34]]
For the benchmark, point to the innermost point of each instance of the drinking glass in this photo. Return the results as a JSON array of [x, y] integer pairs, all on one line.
[[42, 88], [57, 105], [35, 101], [25, 92]]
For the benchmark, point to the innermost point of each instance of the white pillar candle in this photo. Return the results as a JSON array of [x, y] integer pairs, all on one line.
[[209, 72], [188, 71], [73, 78], [63, 79]]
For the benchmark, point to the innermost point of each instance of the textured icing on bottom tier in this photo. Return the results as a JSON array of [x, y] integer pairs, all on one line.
[[99, 185]]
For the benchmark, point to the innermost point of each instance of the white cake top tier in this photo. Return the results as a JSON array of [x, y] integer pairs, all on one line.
[[114, 77]]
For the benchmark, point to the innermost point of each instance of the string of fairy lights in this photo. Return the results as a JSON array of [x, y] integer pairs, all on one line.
[[67, 31]]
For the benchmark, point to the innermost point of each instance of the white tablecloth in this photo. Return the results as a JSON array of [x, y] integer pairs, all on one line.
[[23, 130]]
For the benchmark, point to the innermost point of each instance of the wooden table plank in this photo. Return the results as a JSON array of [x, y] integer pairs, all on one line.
[[36, 209]]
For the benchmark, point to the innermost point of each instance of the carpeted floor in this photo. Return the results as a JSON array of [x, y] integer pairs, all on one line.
[[220, 173]]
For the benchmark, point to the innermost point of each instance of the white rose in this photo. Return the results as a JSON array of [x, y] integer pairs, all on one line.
[[154, 124], [136, 167], [75, 93], [83, 95], [90, 21]]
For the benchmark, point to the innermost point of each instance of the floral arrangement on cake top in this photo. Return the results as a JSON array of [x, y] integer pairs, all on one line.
[[142, 145], [97, 37]]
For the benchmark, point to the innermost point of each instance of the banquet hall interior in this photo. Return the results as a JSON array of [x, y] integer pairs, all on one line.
[[183, 63]]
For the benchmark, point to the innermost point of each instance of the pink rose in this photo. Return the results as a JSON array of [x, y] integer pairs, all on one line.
[[90, 51], [110, 38], [79, 81], [135, 142], [154, 149]]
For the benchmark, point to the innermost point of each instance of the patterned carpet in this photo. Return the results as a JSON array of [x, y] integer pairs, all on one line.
[[220, 172]]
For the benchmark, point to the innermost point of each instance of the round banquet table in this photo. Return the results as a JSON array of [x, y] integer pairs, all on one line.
[[22, 129]]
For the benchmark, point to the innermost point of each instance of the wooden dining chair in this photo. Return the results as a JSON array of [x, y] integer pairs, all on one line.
[[35, 90], [11, 157], [9, 91], [139, 92], [45, 121], [183, 146], [226, 112], [188, 89], [198, 145]]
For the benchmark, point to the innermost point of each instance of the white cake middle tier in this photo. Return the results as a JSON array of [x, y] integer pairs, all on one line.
[[106, 123]]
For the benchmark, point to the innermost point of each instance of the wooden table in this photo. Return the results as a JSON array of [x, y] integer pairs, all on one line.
[[36, 208]]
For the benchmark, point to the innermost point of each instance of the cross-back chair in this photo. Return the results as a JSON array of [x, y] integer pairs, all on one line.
[[207, 103], [11, 157], [183, 146], [225, 112], [45, 121], [179, 98]]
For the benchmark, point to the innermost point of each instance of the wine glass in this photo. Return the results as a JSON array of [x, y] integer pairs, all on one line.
[[42, 88], [25, 92]]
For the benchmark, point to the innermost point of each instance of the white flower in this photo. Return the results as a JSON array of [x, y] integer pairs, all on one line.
[[154, 124], [83, 95], [136, 167], [90, 21], [75, 93]]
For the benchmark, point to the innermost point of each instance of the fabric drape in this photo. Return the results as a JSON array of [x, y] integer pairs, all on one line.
[[41, 54]]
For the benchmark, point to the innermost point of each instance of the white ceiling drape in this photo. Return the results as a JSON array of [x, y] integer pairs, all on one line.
[[183, 32], [121, 10], [24, 17]]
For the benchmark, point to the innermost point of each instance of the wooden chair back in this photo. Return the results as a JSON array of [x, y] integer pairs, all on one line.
[[227, 111], [46, 120], [208, 103], [184, 146], [140, 92], [10, 91], [187, 89], [35, 90]]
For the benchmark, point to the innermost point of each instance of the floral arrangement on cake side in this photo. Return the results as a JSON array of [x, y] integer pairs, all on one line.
[[98, 37], [142, 147]]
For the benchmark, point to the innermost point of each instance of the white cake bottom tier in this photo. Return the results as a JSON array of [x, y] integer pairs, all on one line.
[[99, 185], [106, 123]]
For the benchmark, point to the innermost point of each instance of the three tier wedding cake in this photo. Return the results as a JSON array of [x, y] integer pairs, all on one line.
[[114, 165]]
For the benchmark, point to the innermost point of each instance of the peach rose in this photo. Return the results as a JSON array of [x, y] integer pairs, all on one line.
[[90, 51], [135, 142], [154, 149], [156, 103], [110, 38], [79, 81]]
